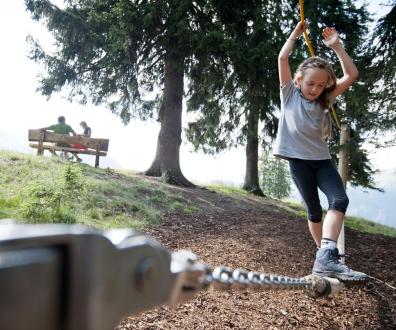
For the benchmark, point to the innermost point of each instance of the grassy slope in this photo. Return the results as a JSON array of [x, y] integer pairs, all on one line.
[[32, 187], [105, 198], [356, 223]]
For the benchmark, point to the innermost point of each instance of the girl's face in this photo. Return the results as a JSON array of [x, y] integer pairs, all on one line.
[[313, 83]]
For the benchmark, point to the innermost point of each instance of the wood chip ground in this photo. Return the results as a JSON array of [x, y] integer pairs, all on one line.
[[254, 234]]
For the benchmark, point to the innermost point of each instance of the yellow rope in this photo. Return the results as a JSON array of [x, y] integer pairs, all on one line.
[[311, 51]]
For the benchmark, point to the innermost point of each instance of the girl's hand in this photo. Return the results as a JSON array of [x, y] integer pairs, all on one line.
[[330, 37], [299, 29]]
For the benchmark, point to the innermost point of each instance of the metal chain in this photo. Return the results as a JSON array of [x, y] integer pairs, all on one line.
[[223, 278], [194, 276]]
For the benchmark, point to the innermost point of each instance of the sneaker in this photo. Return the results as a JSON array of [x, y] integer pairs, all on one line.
[[327, 264]]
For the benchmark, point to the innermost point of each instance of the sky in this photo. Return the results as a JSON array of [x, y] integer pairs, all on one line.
[[131, 147]]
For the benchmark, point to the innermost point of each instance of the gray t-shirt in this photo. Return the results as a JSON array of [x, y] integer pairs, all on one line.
[[300, 127]]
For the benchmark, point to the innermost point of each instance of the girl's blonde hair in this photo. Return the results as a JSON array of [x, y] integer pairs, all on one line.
[[317, 62]]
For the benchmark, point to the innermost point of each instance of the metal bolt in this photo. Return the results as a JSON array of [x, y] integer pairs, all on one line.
[[144, 274]]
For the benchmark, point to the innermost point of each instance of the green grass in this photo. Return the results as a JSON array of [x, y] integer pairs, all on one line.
[[38, 190], [228, 190], [367, 226], [356, 223], [49, 190]]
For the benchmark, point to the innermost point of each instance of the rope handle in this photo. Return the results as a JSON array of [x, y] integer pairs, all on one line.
[[311, 51]]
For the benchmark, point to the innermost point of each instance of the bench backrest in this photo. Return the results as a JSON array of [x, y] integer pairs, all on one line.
[[92, 143]]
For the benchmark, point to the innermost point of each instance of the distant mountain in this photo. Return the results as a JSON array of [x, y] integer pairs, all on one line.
[[104, 162], [371, 204]]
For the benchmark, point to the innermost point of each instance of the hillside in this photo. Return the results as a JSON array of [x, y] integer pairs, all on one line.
[[374, 204], [230, 229]]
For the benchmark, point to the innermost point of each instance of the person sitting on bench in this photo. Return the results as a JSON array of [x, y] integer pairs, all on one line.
[[86, 132], [60, 128]]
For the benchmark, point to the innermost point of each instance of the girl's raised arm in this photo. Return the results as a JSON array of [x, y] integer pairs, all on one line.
[[349, 69], [283, 57]]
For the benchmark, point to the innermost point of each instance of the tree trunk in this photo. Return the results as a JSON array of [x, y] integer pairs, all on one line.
[[343, 155], [251, 183], [343, 163], [167, 161]]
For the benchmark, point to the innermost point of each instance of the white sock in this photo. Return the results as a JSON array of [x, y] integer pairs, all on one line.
[[326, 243]]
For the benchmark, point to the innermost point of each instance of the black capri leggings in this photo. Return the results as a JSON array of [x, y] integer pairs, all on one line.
[[309, 175]]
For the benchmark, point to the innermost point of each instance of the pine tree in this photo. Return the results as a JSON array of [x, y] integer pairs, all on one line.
[[132, 55], [383, 73], [245, 89], [249, 95], [275, 177], [353, 107]]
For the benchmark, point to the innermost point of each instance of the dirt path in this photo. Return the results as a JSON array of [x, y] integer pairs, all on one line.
[[258, 236]]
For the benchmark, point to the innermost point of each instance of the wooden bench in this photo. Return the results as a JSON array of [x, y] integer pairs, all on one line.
[[48, 140]]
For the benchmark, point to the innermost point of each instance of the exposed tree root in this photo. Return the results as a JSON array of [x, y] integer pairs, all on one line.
[[255, 191], [176, 178], [169, 176]]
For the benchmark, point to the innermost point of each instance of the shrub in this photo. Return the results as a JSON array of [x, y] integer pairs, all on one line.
[[274, 175], [54, 201]]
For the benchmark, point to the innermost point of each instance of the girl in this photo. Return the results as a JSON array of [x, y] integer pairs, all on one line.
[[86, 128], [303, 128]]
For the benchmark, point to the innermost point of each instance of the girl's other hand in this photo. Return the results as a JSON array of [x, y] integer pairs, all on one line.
[[330, 37]]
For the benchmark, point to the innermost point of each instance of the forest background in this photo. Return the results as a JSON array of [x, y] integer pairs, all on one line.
[[133, 146]]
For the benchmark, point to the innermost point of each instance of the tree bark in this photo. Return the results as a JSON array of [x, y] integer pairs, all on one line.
[[167, 161], [251, 183]]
